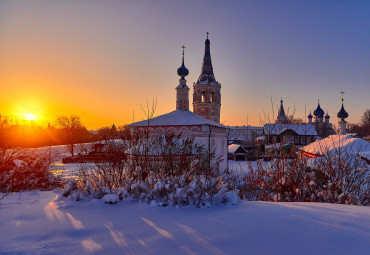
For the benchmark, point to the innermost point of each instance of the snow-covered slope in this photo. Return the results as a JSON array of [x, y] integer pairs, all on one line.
[[336, 144], [43, 225]]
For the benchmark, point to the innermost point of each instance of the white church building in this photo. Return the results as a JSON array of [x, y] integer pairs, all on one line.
[[204, 123]]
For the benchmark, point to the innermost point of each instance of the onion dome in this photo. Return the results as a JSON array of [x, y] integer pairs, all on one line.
[[342, 114], [310, 116], [182, 70], [318, 113], [327, 116]]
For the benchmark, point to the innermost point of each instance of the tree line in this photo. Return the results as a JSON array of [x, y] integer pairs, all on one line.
[[64, 130]]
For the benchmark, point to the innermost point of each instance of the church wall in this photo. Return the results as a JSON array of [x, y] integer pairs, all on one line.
[[216, 137]]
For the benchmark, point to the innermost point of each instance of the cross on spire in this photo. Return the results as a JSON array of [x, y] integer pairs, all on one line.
[[207, 34], [342, 92], [183, 49]]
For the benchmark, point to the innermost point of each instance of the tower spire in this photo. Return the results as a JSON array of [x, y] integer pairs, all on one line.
[[281, 118], [183, 51], [206, 73]]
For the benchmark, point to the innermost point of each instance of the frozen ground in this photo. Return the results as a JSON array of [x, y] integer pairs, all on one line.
[[42, 224]]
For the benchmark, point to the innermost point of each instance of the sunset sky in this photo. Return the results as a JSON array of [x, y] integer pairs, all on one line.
[[102, 59]]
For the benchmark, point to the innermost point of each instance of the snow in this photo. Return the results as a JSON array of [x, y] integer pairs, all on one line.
[[300, 129], [233, 147], [42, 223], [110, 199], [241, 168], [177, 118], [339, 143], [19, 163]]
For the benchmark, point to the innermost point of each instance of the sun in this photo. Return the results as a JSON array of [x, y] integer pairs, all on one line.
[[30, 116]]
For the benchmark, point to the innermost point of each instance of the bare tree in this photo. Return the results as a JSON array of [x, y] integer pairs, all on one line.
[[72, 127], [366, 118], [4, 123], [293, 120]]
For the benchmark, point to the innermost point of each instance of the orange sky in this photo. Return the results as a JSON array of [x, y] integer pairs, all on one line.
[[101, 61]]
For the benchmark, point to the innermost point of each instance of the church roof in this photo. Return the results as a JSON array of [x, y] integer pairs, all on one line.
[[300, 129], [177, 118], [206, 75]]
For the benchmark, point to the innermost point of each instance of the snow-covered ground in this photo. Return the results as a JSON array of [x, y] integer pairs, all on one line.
[[240, 168], [42, 224]]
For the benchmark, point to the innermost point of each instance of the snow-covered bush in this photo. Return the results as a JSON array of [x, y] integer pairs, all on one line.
[[184, 174], [341, 178], [25, 169]]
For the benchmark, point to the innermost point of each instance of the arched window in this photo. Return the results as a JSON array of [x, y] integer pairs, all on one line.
[[213, 97], [203, 96], [184, 129], [171, 130], [160, 130], [213, 145], [195, 129]]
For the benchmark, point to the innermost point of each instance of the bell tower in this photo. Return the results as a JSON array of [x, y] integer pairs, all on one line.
[[182, 90], [207, 91]]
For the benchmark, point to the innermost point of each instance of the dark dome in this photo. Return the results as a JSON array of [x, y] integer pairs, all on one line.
[[342, 114], [327, 116], [309, 116], [319, 113], [182, 71], [207, 42]]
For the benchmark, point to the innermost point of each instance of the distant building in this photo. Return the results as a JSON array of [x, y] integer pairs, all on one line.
[[244, 134], [237, 152], [298, 134], [321, 123]]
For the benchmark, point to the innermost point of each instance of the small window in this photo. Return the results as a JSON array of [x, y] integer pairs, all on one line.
[[308, 139], [302, 140]]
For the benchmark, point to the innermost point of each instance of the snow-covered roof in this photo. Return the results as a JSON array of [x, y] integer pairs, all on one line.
[[232, 148], [245, 128], [176, 118], [300, 129], [339, 143]]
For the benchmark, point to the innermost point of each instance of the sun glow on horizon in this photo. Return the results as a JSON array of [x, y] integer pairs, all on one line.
[[30, 116]]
